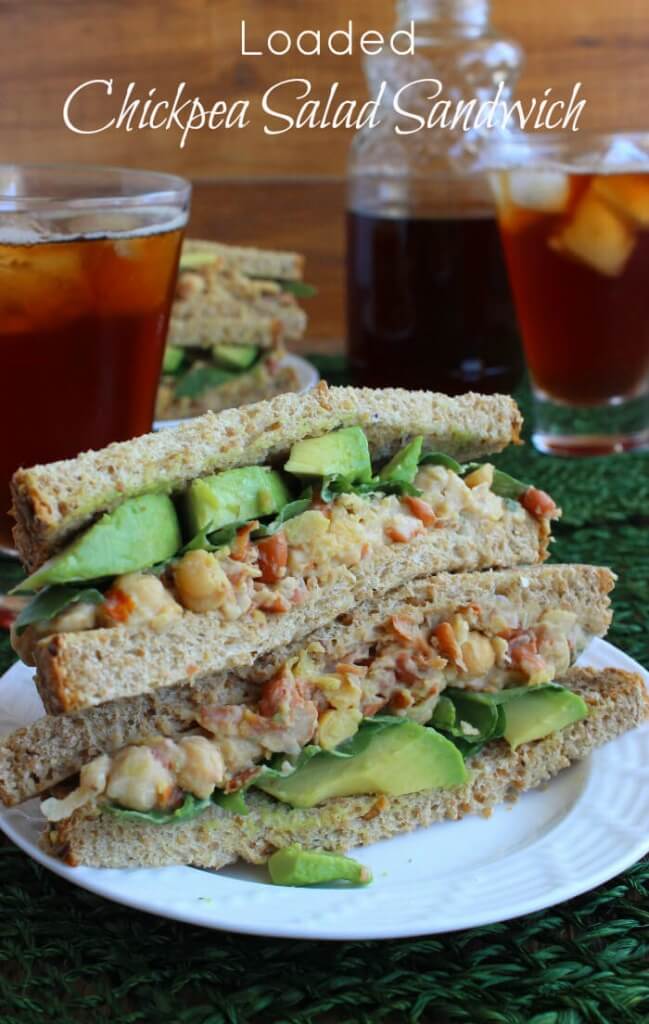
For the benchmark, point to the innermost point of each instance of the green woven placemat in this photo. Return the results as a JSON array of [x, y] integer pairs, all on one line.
[[68, 956]]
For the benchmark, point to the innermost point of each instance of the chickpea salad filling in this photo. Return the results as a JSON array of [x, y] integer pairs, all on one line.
[[257, 540], [453, 674]]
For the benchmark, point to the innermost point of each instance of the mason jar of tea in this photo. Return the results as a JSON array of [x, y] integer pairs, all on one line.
[[428, 300]]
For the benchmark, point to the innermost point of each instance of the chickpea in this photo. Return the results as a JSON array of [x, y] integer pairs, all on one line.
[[483, 475], [336, 726], [152, 603], [94, 776], [201, 583], [189, 285], [81, 615], [478, 653], [202, 768], [138, 780]]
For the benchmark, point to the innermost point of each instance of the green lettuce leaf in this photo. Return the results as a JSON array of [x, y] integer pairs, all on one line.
[[440, 459], [53, 600], [200, 379], [300, 289], [190, 808], [289, 511], [332, 486], [506, 486]]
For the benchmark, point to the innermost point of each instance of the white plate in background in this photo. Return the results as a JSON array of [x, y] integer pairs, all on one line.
[[586, 826]]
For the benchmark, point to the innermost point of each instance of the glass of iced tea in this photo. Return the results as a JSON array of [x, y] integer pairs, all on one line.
[[574, 219], [88, 259]]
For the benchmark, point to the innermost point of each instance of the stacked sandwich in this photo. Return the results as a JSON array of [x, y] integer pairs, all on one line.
[[315, 620], [234, 311]]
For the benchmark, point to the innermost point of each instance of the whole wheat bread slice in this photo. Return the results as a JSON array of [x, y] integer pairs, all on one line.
[[53, 502], [51, 749], [617, 702], [274, 265], [76, 670]]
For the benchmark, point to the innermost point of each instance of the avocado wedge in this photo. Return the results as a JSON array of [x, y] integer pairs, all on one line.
[[139, 533]]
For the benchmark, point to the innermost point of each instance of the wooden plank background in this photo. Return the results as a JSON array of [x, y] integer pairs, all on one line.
[[253, 188]]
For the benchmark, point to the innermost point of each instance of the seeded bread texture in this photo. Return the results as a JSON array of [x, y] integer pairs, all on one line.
[[52, 502], [54, 747], [265, 380], [617, 702], [75, 670], [274, 265]]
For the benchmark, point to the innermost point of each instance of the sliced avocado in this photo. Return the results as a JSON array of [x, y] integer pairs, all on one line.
[[403, 466], [173, 358], [540, 712], [295, 866], [234, 496], [342, 453], [139, 533], [235, 357], [391, 759]]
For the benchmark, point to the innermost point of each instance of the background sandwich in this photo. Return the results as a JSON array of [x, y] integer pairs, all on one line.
[[234, 312], [293, 511]]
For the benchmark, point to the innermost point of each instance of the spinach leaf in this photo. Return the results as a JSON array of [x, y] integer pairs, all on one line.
[[506, 486], [51, 601], [206, 541], [332, 486], [300, 289], [458, 709], [200, 379], [190, 808], [440, 459], [289, 511]]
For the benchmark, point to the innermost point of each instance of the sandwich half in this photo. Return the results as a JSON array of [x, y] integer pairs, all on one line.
[[479, 750], [179, 554], [234, 310], [397, 654]]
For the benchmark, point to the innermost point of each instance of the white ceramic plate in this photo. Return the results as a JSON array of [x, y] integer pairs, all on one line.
[[306, 373], [589, 824]]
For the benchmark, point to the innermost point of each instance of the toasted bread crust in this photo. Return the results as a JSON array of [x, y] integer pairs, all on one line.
[[53, 502], [54, 747], [617, 702], [76, 670]]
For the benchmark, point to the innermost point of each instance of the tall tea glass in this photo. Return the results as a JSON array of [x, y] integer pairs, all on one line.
[[88, 259], [574, 219]]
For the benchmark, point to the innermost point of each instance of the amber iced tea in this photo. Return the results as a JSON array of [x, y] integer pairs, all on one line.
[[577, 249], [82, 329]]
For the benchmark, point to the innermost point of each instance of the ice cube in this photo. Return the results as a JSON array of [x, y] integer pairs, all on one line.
[[626, 193], [595, 236], [542, 191]]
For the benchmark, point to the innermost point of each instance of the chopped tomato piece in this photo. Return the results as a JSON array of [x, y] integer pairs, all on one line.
[[405, 668], [403, 528], [538, 503], [277, 604], [273, 557], [420, 509], [241, 543], [118, 605], [448, 645]]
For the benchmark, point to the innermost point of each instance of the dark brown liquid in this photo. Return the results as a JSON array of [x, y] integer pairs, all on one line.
[[82, 329], [429, 306]]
